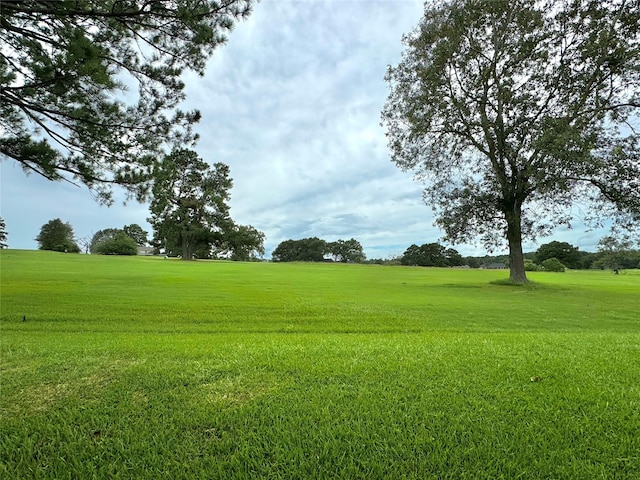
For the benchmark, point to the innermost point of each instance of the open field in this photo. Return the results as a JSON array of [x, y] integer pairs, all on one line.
[[151, 368]]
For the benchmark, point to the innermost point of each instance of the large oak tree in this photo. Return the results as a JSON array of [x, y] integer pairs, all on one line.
[[90, 89], [513, 111]]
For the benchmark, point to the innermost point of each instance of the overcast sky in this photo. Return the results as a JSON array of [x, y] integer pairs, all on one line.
[[292, 104]]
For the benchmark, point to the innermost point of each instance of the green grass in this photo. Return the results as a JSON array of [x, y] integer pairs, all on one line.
[[153, 368]]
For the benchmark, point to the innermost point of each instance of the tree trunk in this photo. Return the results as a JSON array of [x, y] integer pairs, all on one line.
[[517, 273], [187, 248]]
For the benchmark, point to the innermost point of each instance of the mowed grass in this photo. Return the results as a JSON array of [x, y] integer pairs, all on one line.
[[153, 368]]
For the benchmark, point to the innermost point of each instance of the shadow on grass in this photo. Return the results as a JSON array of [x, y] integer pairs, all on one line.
[[507, 282]]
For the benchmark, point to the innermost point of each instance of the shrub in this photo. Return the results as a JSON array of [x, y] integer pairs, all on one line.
[[531, 266], [120, 244], [553, 265]]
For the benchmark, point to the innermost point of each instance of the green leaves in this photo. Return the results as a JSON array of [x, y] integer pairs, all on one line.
[[66, 71], [189, 203], [57, 236]]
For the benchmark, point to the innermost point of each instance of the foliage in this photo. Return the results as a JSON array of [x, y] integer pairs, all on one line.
[[57, 236], [91, 89], [242, 243], [453, 257], [616, 253], [116, 243], [276, 370], [100, 236], [586, 260], [530, 265], [511, 111], [553, 265], [346, 251], [431, 255], [3, 234], [563, 251], [136, 232], [314, 249], [392, 260], [310, 249], [189, 210]]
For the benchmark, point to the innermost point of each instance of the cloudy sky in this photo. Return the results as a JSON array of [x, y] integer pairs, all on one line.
[[292, 104]]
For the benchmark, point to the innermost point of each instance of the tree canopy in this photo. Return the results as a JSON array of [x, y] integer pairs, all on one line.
[[58, 236], [431, 255], [241, 243], [616, 253], [314, 249], [113, 241], [190, 211], [136, 232], [310, 249], [563, 251], [346, 251], [90, 89], [511, 111]]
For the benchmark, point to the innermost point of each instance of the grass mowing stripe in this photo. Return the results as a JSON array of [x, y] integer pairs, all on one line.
[[223, 370]]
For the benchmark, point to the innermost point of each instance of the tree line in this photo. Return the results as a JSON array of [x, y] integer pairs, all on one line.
[[315, 249], [615, 253]]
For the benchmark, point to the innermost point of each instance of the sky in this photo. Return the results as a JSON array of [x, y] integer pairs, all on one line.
[[292, 104]]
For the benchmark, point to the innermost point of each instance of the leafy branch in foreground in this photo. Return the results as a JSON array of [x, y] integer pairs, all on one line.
[[89, 89]]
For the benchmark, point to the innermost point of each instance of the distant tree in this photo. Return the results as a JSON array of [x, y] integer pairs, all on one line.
[[104, 235], [563, 251], [66, 68], [58, 236], [453, 257], [530, 265], [243, 242], [311, 249], [85, 244], [286, 251], [473, 262], [512, 111], [391, 260], [586, 260], [375, 261], [426, 255], [412, 255], [434, 255], [553, 265], [118, 244], [3, 234], [346, 251], [616, 253], [136, 232], [113, 241], [189, 210]]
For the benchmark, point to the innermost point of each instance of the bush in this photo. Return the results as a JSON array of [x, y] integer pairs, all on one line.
[[120, 244], [531, 266], [553, 265]]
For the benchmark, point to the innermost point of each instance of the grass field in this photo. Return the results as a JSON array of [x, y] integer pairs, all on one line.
[[146, 368]]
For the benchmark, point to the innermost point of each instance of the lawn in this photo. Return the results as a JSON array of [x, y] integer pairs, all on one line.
[[142, 367]]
